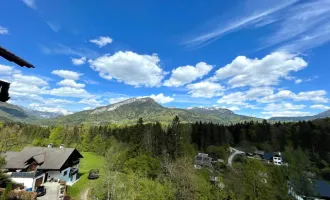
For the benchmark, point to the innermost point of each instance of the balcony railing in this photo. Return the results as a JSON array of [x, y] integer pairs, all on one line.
[[73, 171], [26, 174]]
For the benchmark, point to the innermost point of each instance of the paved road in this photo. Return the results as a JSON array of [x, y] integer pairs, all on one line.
[[231, 157], [52, 191]]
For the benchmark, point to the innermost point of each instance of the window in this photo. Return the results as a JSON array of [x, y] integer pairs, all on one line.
[[65, 173]]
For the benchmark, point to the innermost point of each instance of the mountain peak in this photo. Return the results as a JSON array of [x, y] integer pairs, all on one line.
[[114, 106], [213, 108]]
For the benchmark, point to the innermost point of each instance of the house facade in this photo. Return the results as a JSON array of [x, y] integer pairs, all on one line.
[[35, 165]]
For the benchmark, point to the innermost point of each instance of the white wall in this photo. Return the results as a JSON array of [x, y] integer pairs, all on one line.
[[28, 182], [60, 175]]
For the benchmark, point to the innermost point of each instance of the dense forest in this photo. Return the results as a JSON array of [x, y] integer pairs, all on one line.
[[153, 161]]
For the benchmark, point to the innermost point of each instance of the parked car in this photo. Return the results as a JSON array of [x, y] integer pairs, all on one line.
[[41, 191], [94, 174]]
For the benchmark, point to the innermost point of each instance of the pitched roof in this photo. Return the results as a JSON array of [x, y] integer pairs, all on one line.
[[52, 158]]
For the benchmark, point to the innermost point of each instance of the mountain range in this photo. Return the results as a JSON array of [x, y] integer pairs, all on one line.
[[10, 112], [130, 110], [321, 115]]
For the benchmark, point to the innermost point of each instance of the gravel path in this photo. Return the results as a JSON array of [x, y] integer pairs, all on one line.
[[84, 194]]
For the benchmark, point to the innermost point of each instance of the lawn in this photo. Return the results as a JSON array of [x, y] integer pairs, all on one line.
[[90, 161]]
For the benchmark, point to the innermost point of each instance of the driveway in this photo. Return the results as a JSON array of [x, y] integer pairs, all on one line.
[[52, 191], [231, 157]]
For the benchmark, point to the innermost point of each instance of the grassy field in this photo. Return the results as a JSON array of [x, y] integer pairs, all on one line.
[[90, 161]]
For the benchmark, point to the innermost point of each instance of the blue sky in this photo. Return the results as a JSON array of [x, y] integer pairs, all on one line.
[[255, 57]]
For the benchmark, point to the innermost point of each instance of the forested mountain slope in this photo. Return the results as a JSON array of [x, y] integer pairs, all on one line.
[[11, 112]]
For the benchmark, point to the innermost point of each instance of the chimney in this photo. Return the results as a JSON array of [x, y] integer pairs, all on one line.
[[50, 145], [61, 146]]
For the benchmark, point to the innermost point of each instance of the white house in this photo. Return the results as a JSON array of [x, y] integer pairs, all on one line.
[[35, 165]]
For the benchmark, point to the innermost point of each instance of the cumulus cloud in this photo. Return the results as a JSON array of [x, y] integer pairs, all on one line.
[[283, 106], [320, 106], [69, 92], [78, 61], [297, 81], [205, 89], [57, 109], [7, 70], [130, 68], [3, 31], [70, 83], [66, 74], [315, 96], [160, 98], [24, 79], [101, 41], [286, 113], [187, 74], [92, 102], [243, 71], [235, 98]]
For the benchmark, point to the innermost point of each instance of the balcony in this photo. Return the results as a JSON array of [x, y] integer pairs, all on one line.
[[73, 171]]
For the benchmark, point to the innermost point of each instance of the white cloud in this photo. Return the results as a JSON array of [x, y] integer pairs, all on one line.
[[264, 72], [88, 108], [286, 113], [235, 98], [283, 106], [315, 96], [70, 83], [297, 81], [30, 3], [320, 106], [54, 26], [65, 50], [39, 107], [160, 98], [93, 102], [130, 68], [78, 61], [69, 92], [187, 74], [232, 108], [255, 93], [117, 99], [101, 41], [91, 82], [7, 70], [67, 74], [205, 89], [29, 80], [239, 19], [312, 26], [3, 31]]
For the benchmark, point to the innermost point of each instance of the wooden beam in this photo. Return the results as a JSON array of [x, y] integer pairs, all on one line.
[[13, 58]]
